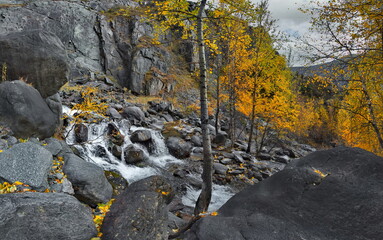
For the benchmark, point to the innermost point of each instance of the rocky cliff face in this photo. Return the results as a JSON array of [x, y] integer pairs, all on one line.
[[94, 43]]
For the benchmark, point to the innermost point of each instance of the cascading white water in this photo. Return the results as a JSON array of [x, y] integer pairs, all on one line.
[[97, 138], [159, 159]]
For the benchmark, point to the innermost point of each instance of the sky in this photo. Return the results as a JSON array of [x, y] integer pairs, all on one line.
[[292, 22]]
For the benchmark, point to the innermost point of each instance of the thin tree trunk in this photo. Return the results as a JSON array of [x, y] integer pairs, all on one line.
[[217, 108], [254, 98], [371, 111], [205, 196]]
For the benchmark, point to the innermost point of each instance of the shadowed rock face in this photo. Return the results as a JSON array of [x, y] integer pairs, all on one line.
[[24, 111], [333, 194]]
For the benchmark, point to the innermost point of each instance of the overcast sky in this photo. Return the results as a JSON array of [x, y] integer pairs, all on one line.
[[290, 20]]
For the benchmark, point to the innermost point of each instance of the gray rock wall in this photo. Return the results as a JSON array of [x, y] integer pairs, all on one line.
[[94, 43]]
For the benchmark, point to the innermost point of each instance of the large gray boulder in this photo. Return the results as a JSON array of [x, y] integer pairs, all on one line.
[[28, 163], [24, 111], [332, 194], [178, 147], [38, 57], [37, 216], [88, 180], [140, 212]]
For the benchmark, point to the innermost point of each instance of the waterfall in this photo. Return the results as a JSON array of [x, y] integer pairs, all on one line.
[[158, 159]]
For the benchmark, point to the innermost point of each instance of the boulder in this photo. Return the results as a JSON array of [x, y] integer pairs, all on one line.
[[37, 56], [134, 154], [115, 135], [53, 145], [332, 194], [81, 133], [134, 114], [113, 113], [28, 163], [88, 180], [220, 168], [141, 136], [140, 212], [38, 216], [24, 111], [178, 147]]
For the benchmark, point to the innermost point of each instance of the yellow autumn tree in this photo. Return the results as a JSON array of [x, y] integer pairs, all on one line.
[[353, 34]]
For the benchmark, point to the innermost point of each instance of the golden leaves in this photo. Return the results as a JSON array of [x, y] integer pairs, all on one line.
[[99, 215]]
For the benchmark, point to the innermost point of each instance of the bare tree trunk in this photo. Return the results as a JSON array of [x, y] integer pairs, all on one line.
[[252, 118], [371, 111], [205, 196], [217, 126]]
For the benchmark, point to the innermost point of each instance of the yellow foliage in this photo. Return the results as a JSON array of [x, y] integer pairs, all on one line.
[[99, 214], [90, 107]]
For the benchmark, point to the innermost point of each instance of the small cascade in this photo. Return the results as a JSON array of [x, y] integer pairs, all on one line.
[[96, 150]]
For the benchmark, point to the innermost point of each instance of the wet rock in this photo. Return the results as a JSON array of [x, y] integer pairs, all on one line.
[[28, 163], [141, 136], [116, 151], [115, 135], [88, 180], [238, 156], [178, 147], [282, 159], [81, 133], [140, 212], [44, 216], [25, 112], [332, 194], [134, 154]]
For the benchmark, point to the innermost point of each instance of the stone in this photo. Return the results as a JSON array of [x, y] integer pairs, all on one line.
[[53, 145], [331, 194], [141, 136], [38, 216], [88, 180], [282, 159], [140, 212], [178, 147], [113, 113], [28, 163], [116, 151], [42, 57], [196, 140], [134, 114], [220, 139], [25, 112], [118, 183], [134, 154], [81, 133], [220, 168]]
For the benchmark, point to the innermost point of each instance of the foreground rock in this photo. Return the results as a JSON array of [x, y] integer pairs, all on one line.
[[140, 212], [28, 163], [38, 57], [24, 111], [178, 147], [88, 180], [333, 194], [37, 216]]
